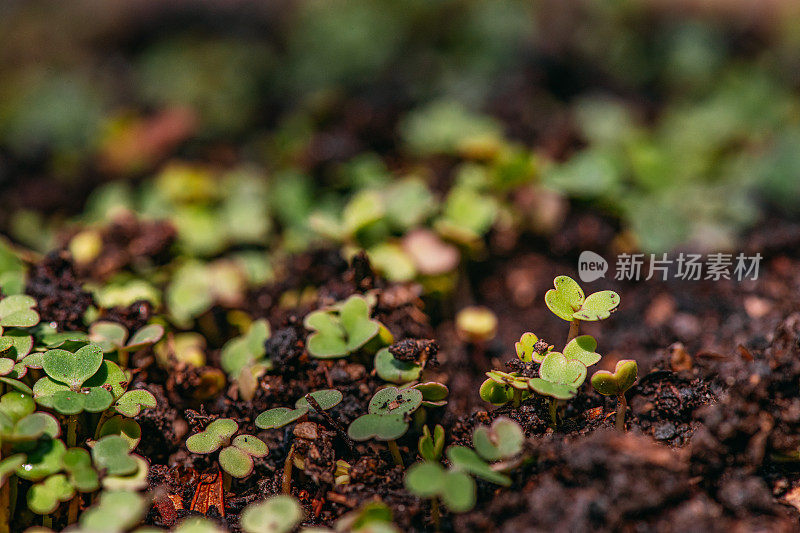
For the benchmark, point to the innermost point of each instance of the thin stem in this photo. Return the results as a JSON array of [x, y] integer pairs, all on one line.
[[554, 412], [123, 357], [435, 514], [108, 413], [517, 397], [574, 329], [331, 422], [226, 481], [74, 507], [5, 507], [47, 521], [286, 482], [72, 430], [622, 406], [398, 459]]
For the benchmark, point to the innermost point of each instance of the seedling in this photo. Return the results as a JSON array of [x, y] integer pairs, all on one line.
[[281, 416], [428, 479], [17, 311], [615, 384], [132, 402], [278, 514], [111, 455], [341, 330], [467, 460], [531, 348], [245, 350], [559, 378], [117, 511], [502, 440], [19, 422], [387, 418], [45, 496], [431, 445], [568, 302], [476, 324], [236, 456], [113, 337], [396, 371], [504, 387]]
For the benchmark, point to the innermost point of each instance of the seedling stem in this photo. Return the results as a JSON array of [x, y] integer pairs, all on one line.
[[517, 397], [622, 406], [554, 412], [574, 329], [398, 459], [226, 481], [286, 482], [435, 513], [72, 430]]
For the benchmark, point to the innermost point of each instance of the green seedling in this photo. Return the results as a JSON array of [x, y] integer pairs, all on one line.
[[431, 445], [396, 371], [278, 514], [342, 329], [45, 459], [502, 440], [111, 454], [616, 384], [113, 337], [17, 311], [568, 302], [236, 456], [476, 324], [44, 497], [386, 419], [124, 427], [433, 394], [19, 422], [531, 348], [455, 488], [193, 524], [371, 517], [559, 378], [132, 402], [135, 481], [467, 460], [468, 215], [281, 416], [116, 512], [246, 350], [81, 475], [502, 387]]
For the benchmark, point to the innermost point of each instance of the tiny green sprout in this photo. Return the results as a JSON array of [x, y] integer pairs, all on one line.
[[430, 445], [73, 369], [278, 514], [281, 416], [616, 384], [396, 371], [467, 460], [113, 337], [132, 402], [340, 330], [531, 348], [45, 496], [43, 460], [502, 440], [496, 393], [117, 511], [505, 387], [386, 419], [371, 517], [245, 350], [456, 488], [567, 301], [559, 378], [17, 311], [124, 427], [78, 465], [236, 456], [476, 324], [111, 455]]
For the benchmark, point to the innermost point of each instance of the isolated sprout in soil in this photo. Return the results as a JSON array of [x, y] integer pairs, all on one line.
[[559, 378], [502, 440], [429, 479], [236, 456], [431, 445], [568, 302], [342, 329], [387, 418], [615, 384], [281, 416], [246, 354], [278, 514]]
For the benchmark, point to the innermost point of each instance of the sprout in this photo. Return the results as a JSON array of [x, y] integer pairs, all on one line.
[[17, 311], [245, 350], [236, 457], [117, 511], [559, 378], [43, 460], [567, 301], [19, 422], [386, 418], [111, 455], [124, 427], [281, 416], [132, 402], [502, 440], [433, 394], [615, 384], [113, 337], [476, 324], [78, 465], [467, 460], [396, 371], [278, 514], [341, 330], [502, 387], [530, 348], [428, 479], [44, 497], [431, 445]]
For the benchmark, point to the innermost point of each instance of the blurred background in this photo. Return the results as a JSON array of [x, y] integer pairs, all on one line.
[[419, 130]]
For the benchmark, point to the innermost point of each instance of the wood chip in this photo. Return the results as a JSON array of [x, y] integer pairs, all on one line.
[[208, 494]]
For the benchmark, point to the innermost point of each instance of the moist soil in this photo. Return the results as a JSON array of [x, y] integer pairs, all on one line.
[[713, 430]]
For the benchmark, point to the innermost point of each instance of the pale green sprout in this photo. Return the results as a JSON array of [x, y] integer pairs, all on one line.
[[116, 512], [615, 384], [431, 445], [428, 479], [236, 456], [342, 329], [567, 301], [502, 440], [281, 416], [277, 514], [245, 350]]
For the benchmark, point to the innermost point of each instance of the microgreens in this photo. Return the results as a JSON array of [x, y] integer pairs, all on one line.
[[236, 456], [502, 440], [568, 302], [245, 350], [281, 416], [428, 479], [431, 445], [17, 311], [113, 337], [340, 330], [615, 384], [278, 514]]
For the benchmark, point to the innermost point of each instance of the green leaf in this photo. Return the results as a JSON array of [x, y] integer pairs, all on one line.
[[236, 462], [45, 388], [250, 445], [512, 380], [112, 455], [566, 298], [582, 348], [598, 306], [392, 400], [458, 492], [73, 369], [342, 330], [431, 446], [17, 405], [146, 336], [278, 514], [9, 465], [495, 393], [17, 311], [433, 394], [194, 524], [124, 427], [42, 461], [44, 497], [329, 339], [78, 464], [215, 435], [395, 371], [354, 316], [381, 427], [117, 511], [560, 391], [131, 403], [525, 346], [16, 344], [20, 386], [326, 398], [558, 369], [502, 440], [278, 417], [134, 481], [108, 335], [246, 349], [68, 402], [425, 479], [613, 384], [34, 426], [467, 460], [109, 376]]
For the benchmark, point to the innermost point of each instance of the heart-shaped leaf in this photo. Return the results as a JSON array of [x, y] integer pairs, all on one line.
[[613, 384], [525, 346], [246, 349], [559, 391], [43, 460], [380, 427], [110, 377], [34, 426], [16, 344], [132, 402], [78, 464], [395, 371], [566, 298], [502, 440], [17, 311], [598, 306], [326, 398], [512, 380], [108, 335], [582, 348], [146, 336], [236, 462], [558, 369], [93, 399], [392, 400], [278, 417], [458, 492], [215, 435], [70, 368], [277, 514], [44, 497], [495, 393], [328, 341], [425, 479], [467, 460], [112, 455], [250, 445], [358, 327], [124, 427], [341, 330]]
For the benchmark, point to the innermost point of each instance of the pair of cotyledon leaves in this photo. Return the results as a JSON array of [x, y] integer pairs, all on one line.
[[567, 301]]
